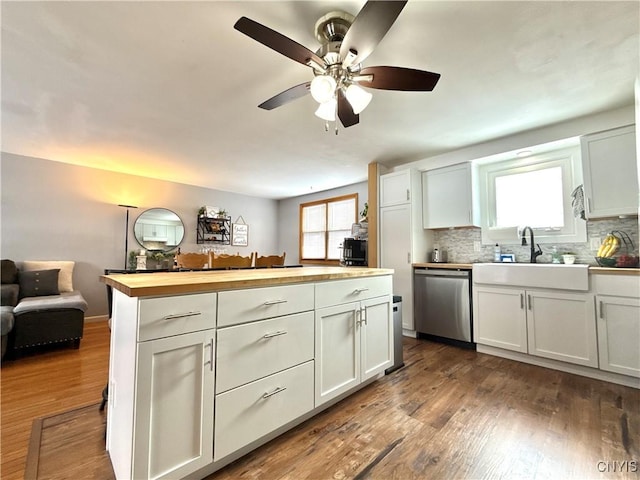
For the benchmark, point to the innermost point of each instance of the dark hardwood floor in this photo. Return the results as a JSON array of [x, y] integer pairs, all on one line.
[[449, 414]]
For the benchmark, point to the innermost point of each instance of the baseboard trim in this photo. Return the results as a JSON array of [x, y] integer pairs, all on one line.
[[563, 367]]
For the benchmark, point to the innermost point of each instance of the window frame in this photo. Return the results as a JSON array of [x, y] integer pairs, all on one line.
[[568, 159], [326, 202]]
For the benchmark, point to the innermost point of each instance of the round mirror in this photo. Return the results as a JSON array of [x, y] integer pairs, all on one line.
[[159, 229]]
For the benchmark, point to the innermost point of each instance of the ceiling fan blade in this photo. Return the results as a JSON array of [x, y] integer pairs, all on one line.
[[399, 78], [369, 27], [287, 96], [345, 111], [277, 41]]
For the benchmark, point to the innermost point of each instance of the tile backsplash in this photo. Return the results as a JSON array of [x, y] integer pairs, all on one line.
[[459, 243]]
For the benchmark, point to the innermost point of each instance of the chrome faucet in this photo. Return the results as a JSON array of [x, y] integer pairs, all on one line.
[[535, 253]]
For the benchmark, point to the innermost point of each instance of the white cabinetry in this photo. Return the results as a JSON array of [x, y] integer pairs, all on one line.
[[402, 239], [551, 324], [174, 426], [449, 197], [500, 318], [265, 365], [156, 344], [395, 188], [618, 309], [610, 173], [354, 340]]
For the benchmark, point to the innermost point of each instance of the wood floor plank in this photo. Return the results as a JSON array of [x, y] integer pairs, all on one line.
[[449, 413]]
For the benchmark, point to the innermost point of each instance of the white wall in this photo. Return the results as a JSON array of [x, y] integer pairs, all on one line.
[[550, 133], [289, 216], [56, 211]]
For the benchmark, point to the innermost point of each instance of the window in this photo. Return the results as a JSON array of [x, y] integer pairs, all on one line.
[[324, 224], [534, 191]]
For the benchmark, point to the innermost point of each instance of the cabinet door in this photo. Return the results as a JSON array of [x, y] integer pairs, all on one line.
[[337, 351], [395, 188], [376, 330], [448, 197], [173, 433], [619, 334], [610, 173], [500, 318], [562, 326], [395, 252]]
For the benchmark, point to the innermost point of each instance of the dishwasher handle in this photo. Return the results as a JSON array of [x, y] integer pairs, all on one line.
[[441, 272]]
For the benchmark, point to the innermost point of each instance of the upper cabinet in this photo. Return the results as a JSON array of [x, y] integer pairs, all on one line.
[[610, 173], [395, 188], [449, 197]]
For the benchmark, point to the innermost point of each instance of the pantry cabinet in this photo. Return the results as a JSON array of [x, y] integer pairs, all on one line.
[[610, 173], [551, 324], [403, 241], [450, 197]]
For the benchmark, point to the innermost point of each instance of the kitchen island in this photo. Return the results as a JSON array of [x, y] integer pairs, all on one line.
[[206, 366]]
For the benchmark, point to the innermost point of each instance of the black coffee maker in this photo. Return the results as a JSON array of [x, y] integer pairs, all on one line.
[[354, 253]]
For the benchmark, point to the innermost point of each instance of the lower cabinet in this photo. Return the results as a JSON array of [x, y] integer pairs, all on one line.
[[619, 334], [251, 411], [174, 405], [550, 324], [353, 344]]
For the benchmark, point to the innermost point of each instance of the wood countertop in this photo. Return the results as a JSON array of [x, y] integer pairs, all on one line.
[[175, 283], [592, 269]]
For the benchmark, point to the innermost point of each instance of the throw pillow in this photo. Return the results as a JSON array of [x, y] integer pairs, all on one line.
[[38, 283], [9, 271], [65, 279]]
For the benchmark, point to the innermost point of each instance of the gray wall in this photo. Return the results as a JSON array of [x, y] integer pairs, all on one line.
[[289, 215], [56, 211]]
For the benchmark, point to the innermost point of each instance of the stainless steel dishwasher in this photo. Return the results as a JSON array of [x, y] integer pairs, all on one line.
[[442, 305]]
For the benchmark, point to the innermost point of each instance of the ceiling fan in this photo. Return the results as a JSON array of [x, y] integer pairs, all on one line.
[[346, 41]]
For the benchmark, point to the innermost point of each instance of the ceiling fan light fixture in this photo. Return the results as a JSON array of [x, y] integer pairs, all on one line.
[[358, 97], [327, 110], [323, 88]]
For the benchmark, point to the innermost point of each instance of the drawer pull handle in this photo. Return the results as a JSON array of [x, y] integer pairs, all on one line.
[[274, 302], [360, 290], [275, 334], [182, 315], [277, 390]]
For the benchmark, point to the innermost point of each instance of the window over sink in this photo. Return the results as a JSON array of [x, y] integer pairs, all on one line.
[[534, 190]]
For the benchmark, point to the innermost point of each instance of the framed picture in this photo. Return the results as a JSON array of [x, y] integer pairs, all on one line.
[[240, 234], [211, 212]]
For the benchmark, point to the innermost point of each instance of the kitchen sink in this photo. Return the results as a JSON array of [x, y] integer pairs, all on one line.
[[542, 275]]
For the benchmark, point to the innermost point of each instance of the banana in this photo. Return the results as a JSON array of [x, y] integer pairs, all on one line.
[[609, 247]]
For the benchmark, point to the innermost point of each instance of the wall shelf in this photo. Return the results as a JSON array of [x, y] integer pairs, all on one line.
[[214, 230]]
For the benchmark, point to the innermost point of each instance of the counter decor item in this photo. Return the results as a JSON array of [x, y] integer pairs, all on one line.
[[617, 250], [569, 258]]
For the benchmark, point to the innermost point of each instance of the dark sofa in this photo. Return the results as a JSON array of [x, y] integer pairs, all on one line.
[[36, 311]]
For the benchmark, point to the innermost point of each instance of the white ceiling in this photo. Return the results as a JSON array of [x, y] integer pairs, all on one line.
[[170, 90]]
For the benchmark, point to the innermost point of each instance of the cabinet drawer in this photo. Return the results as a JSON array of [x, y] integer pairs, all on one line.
[[616, 285], [254, 350], [247, 413], [241, 306], [352, 290], [167, 316]]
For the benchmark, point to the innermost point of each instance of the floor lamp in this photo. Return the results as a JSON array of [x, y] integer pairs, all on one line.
[[126, 234]]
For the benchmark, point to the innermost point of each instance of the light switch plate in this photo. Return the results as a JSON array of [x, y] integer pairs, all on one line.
[[477, 246], [594, 243]]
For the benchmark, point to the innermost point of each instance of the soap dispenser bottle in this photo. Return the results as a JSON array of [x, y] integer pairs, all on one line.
[[496, 253]]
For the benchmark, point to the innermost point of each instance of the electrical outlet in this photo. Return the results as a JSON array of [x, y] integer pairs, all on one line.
[[594, 243], [477, 246]]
